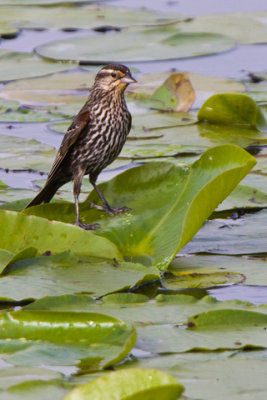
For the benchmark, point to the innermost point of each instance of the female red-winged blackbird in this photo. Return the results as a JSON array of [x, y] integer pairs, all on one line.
[[93, 140]]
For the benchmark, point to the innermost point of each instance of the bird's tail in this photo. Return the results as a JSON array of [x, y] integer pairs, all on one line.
[[45, 195]]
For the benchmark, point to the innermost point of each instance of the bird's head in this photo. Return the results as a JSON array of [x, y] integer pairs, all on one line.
[[114, 77]]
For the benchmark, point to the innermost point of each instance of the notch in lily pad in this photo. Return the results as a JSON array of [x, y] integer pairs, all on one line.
[[232, 109]]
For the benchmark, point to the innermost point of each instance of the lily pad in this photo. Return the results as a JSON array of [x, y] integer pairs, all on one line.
[[199, 373], [235, 25], [171, 199], [224, 329], [18, 65], [254, 269], [232, 109], [244, 197], [104, 340], [18, 153], [246, 235], [83, 17], [17, 230], [166, 309], [148, 45], [63, 274], [141, 384], [7, 31]]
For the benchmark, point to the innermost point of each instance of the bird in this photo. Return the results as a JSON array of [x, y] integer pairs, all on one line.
[[94, 139]]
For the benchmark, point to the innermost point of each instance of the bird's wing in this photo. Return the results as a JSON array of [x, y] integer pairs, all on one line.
[[71, 136]]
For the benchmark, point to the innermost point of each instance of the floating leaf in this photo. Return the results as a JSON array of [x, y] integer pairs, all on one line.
[[94, 334], [245, 235], [17, 65], [82, 17], [19, 231], [64, 274], [235, 25], [165, 199], [252, 268], [232, 109], [141, 384], [216, 330], [203, 278], [199, 372], [7, 257], [244, 197], [148, 45]]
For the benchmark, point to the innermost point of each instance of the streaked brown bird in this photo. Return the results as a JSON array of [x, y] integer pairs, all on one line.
[[93, 140]]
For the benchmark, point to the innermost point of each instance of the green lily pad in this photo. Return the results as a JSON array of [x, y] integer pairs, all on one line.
[[18, 153], [17, 230], [232, 109], [16, 375], [244, 197], [224, 329], [252, 268], [131, 384], [166, 309], [94, 334], [203, 278], [8, 257], [171, 198], [36, 389], [117, 46], [199, 373], [18, 65], [246, 235], [82, 17], [63, 274], [234, 25], [7, 31]]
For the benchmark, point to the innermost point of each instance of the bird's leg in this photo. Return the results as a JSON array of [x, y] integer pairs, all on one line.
[[76, 192], [105, 207]]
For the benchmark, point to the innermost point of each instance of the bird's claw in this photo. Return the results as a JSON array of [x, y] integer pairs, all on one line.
[[87, 227], [110, 210]]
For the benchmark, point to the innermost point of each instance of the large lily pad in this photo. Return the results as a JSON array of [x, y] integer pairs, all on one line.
[[141, 384], [137, 309], [246, 235], [63, 274], [235, 25], [103, 340], [166, 200], [205, 374], [18, 153], [18, 65], [83, 17], [119, 46], [17, 230], [217, 330]]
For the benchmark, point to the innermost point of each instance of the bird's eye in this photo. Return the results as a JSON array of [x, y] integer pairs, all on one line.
[[113, 75]]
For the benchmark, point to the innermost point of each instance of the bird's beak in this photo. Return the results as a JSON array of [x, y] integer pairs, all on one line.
[[128, 79]]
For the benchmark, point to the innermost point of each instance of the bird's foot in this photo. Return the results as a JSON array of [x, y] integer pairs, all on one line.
[[110, 210], [87, 227]]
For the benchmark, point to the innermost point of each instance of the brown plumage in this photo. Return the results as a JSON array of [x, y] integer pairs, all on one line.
[[93, 140]]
